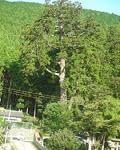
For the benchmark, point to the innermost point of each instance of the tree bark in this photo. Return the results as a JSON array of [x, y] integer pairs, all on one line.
[[61, 75], [63, 94]]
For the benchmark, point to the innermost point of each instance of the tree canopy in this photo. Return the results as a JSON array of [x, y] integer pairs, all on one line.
[[62, 54]]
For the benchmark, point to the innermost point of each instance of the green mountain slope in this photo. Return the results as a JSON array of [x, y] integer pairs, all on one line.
[[13, 18], [102, 17], [15, 15]]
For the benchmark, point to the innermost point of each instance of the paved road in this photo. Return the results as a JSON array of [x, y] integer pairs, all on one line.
[[21, 145]]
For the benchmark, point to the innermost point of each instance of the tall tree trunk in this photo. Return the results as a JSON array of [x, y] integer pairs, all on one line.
[[63, 94]]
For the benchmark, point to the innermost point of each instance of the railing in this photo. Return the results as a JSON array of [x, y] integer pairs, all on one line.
[[114, 144], [39, 141]]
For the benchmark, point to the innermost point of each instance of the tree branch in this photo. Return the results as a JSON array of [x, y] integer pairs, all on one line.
[[54, 73]]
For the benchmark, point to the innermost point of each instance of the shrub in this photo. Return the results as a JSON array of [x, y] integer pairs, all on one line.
[[1, 137], [57, 116], [63, 140]]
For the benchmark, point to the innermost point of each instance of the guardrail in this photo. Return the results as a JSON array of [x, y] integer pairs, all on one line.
[[114, 144], [38, 142]]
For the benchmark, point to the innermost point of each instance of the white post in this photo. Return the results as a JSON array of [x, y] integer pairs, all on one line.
[[103, 143], [9, 113], [6, 137], [89, 141], [34, 110], [117, 146], [27, 110]]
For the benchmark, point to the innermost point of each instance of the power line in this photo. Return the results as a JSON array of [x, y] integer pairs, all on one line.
[[29, 94]]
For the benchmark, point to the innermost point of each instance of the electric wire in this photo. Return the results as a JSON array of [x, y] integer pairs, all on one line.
[[28, 93]]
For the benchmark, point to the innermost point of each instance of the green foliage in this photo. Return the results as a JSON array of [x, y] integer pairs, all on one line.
[[113, 61], [28, 118], [88, 67], [57, 116], [63, 140], [2, 122], [102, 17], [98, 118], [12, 25], [1, 137], [86, 75], [43, 38], [20, 103], [11, 29], [91, 50], [82, 46], [111, 115]]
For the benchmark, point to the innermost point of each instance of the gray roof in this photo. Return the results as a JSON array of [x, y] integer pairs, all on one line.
[[12, 113]]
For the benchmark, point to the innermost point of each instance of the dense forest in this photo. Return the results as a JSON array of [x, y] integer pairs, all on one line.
[[61, 63]]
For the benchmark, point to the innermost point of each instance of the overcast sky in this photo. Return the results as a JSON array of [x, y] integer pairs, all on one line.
[[111, 6]]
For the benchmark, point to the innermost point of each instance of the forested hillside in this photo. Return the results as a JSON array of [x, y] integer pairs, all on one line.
[[102, 17], [15, 16], [61, 64]]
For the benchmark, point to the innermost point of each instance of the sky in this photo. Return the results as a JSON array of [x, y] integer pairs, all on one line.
[[111, 6]]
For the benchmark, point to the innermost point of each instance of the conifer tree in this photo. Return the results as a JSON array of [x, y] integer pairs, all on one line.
[[51, 39]]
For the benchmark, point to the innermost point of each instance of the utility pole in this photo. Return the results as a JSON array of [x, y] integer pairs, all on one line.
[[35, 110], [9, 94], [9, 115]]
